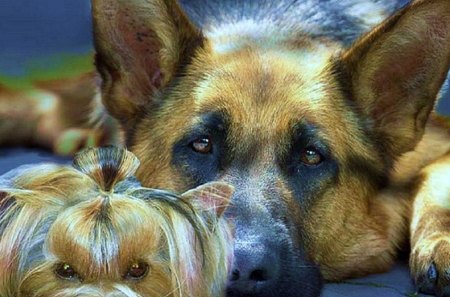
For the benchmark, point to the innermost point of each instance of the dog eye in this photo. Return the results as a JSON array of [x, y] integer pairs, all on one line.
[[202, 145], [310, 156], [137, 270], [66, 271]]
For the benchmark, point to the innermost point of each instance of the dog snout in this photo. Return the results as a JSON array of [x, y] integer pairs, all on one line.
[[256, 267]]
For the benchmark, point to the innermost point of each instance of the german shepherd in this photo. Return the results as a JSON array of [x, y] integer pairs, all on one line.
[[338, 160]]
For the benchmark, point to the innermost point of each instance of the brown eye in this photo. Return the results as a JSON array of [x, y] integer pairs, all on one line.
[[310, 156], [137, 270], [66, 271], [202, 145]]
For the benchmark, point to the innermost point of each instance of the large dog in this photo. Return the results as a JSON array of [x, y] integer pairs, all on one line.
[[336, 156]]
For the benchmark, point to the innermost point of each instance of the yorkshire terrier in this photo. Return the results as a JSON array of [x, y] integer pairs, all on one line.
[[93, 230]]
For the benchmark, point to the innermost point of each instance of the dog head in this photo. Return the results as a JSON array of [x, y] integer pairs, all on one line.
[[306, 131], [99, 233]]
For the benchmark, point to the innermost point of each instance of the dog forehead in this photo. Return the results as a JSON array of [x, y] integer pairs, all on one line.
[[265, 93], [263, 84], [97, 238], [247, 66]]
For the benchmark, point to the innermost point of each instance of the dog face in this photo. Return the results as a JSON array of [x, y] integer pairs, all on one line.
[[306, 132], [99, 233], [267, 160], [90, 255]]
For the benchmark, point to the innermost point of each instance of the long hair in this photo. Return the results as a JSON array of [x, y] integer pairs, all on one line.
[[98, 206]]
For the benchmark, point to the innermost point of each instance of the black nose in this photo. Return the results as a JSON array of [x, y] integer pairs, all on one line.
[[255, 268]]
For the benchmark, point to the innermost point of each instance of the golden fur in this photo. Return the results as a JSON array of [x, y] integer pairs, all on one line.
[[87, 231], [372, 104], [62, 115]]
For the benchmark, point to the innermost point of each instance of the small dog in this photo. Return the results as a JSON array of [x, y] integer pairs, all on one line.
[[93, 230]]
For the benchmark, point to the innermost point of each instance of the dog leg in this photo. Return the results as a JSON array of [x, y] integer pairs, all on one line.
[[430, 232]]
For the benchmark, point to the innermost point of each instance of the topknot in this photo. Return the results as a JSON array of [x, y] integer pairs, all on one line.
[[107, 166]]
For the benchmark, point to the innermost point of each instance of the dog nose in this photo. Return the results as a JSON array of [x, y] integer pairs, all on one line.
[[254, 269]]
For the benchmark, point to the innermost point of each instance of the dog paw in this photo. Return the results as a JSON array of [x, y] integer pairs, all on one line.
[[430, 265]]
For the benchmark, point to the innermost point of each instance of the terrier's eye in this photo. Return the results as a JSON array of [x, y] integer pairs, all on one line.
[[65, 271], [311, 157], [202, 145], [137, 271]]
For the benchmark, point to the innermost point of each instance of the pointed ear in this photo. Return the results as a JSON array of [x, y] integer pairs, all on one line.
[[397, 70], [211, 196], [140, 45]]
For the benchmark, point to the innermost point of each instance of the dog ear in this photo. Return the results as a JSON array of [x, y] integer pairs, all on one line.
[[213, 195], [397, 70], [140, 45]]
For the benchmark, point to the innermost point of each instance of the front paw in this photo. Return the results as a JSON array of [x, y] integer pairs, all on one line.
[[430, 265]]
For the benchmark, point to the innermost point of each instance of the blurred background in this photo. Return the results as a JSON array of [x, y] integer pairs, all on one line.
[[42, 39]]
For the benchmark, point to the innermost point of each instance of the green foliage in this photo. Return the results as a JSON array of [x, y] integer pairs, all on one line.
[[49, 68]]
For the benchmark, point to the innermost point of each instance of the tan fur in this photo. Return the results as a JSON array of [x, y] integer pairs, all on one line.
[[57, 115], [430, 225], [100, 222], [381, 115]]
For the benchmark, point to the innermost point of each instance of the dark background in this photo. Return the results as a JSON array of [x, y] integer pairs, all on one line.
[[36, 29]]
